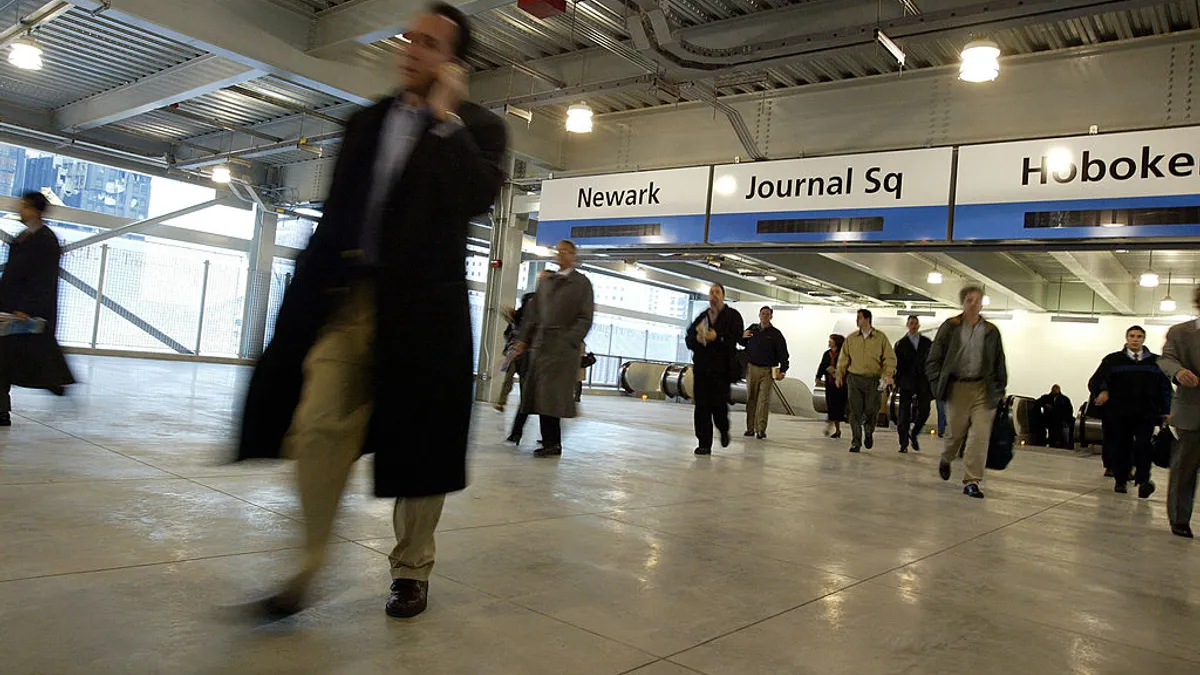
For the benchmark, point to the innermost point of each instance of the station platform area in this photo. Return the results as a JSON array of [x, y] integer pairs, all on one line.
[[124, 539]]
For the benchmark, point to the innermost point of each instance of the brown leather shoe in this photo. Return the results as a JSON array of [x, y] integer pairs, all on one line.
[[409, 598]]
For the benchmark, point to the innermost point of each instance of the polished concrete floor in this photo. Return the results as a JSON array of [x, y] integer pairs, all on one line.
[[124, 538]]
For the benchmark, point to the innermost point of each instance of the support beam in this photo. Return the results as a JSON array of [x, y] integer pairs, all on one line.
[[825, 272], [366, 21], [124, 313], [1102, 273], [139, 225], [741, 288], [255, 33], [40, 16], [998, 272], [902, 270], [197, 77]]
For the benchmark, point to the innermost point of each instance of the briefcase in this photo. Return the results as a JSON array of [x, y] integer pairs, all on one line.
[[1004, 435], [1160, 447]]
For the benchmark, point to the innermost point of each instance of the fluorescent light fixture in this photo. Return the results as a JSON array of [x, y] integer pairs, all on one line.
[[980, 62], [997, 316], [1148, 280], [935, 277], [916, 312], [221, 174], [1075, 319], [25, 54], [725, 185], [1112, 225], [1121, 250], [987, 300], [579, 118], [892, 47], [1167, 305], [519, 113], [308, 212], [1165, 320], [770, 278]]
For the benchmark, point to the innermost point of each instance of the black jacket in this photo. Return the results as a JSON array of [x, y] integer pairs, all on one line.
[[717, 359], [1135, 388], [30, 285], [910, 365], [765, 348], [1056, 410], [451, 176]]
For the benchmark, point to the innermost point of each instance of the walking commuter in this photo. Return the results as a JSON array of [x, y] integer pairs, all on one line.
[[912, 350], [513, 367], [29, 289], [1135, 398], [835, 392], [521, 358], [866, 357], [1180, 361], [1058, 416], [553, 334], [345, 374], [766, 349], [713, 339], [967, 369]]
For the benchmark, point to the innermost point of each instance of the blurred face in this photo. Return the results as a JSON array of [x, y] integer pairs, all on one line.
[[764, 316], [973, 303], [28, 213], [1056, 390], [716, 297], [1134, 339], [832, 344], [914, 326], [862, 322], [431, 43], [567, 256]]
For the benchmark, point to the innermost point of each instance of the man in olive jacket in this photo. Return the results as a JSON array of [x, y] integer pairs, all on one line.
[[967, 370], [347, 372]]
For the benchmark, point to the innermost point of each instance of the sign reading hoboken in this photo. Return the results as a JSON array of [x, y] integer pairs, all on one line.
[[891, 196], [1116, 185], [647, 207]]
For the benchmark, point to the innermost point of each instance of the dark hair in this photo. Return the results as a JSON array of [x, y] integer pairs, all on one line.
[[768, 309], [570, 243], [455, 15], [912, 317], [967, 290], [838, 340], [37, 200], [1133, 328], [866, 314], [720, 286]]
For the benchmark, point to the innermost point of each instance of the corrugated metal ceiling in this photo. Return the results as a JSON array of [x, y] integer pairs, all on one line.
[[308, 6]]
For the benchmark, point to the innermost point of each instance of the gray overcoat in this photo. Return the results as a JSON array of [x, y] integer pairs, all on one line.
[[555, 327]]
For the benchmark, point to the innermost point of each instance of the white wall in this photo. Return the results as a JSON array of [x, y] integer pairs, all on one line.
[[1040, 353]]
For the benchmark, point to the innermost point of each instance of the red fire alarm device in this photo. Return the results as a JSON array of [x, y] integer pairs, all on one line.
[[497, 264], [543, 9]]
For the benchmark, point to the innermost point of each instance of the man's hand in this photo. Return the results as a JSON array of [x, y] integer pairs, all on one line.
[[840, 381], [1102, 398], [1187, 378], [21, 315], [710, 335], [747, 334], [889, 380], [779, 376], [449, 90]]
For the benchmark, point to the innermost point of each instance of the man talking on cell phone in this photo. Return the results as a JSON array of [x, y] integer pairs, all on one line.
[[345, 374]]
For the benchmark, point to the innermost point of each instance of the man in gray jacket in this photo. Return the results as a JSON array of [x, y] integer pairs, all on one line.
[[1180, 361], [967, 369], [554, 331]]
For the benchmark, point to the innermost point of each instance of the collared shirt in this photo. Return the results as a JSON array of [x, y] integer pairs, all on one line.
[[397, 137], [1136, 357], [970, 355], [915, 340]]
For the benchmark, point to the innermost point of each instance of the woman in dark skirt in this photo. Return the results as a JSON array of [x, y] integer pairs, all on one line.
[[29, 288], [835, 396]]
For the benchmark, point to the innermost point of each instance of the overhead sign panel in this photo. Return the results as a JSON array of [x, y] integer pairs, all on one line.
[[647, 207], [1141, 184], [890, 196]]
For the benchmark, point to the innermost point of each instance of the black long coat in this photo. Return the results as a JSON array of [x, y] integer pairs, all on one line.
[[423, 375], [30, 285], [910, 365]]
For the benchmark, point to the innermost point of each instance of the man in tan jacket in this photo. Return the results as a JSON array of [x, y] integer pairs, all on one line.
[[866, 357]]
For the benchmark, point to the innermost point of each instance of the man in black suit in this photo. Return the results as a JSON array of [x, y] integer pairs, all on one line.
[[382, 279], [913, 383]]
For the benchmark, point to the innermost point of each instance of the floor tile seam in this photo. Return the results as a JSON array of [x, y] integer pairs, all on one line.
[[105, 448], [158, 563], [85, 481], [872, 578], [647, 665]]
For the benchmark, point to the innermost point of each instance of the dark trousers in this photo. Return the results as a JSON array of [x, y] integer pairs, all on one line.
[[941, 411], [712, 407], [551, 431], [913, 414], [1127, 445], [518, 429], [5, 396], [864, 405], [1185, 462], [1059, 434]]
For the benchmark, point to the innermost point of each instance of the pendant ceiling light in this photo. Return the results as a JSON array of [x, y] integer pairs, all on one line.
[[25, 54], [221, 174], [980, 61], [1150, 278], [935, 277], [1168, 303], [579, 118]]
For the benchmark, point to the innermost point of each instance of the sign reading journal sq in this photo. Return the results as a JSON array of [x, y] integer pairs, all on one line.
[[647, 207], [890, 196], [1140, 184]]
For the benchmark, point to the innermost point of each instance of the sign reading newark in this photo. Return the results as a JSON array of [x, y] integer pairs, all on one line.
[[890, 196], [1141, 184], [647, 207]]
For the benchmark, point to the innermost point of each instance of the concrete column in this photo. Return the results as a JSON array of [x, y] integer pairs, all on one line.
[[258, 285], [507, 233]]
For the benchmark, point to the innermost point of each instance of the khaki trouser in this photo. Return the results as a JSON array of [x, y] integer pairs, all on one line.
[[759, 383], [971, 421], [326, 437], [864, 400]]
